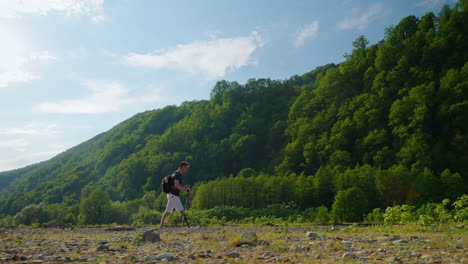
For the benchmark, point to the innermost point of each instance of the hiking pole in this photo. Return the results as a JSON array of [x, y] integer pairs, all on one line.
[[185, 208], [185, 217], [186, 199]]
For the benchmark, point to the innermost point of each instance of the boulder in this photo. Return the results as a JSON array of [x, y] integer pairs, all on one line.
[[349, 255], [150, 258], [101, 248], [150, 236], [312, 235], [168, 256], [233, 255], [249, 236]]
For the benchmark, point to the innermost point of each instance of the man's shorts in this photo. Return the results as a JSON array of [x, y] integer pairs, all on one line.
[[173, 202]]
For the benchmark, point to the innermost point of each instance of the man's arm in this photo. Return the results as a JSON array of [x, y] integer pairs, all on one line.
[[179, 187]]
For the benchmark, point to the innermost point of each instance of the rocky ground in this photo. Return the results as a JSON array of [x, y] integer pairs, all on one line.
[[234, 244]]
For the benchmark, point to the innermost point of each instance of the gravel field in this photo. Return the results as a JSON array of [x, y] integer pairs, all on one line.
[[239, 244]]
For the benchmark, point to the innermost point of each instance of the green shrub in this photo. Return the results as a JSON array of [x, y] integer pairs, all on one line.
[[229, 212], [461, 208], [443, 213], [310, 214], [284, 210], [399, 214], [376, 216], [7, 221], [144, 215], [323, 216]]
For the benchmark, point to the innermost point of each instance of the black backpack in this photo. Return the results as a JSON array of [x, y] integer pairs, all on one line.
[[167, 183]]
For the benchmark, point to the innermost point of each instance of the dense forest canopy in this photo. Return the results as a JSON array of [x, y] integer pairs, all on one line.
[[389, 125]]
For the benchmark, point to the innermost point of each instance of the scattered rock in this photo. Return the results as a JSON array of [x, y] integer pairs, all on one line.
[[323, 237], [101, 248], [64, 259], [347, 242], [233, 255], [388, 238], [399, 241], [249, 236], [117, 249], [394, 260], [312, 235], [149, 236], [267, 255], [426, 256], [297, 248], [349, 255], [168, 256], [318, 243], [63, 249], [150, 258], [363, 259]]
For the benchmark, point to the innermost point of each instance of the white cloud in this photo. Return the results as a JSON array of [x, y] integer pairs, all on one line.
[[14, 8], [29, 158], [307, 32], [360, 20], [31, 129], [19, 144], [105, 97], [42, 55], [14, 60], [211, 58], [78, 54], [98, 18], [14, 76]]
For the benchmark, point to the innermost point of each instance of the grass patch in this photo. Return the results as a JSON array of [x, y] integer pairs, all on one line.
[[239, 241]]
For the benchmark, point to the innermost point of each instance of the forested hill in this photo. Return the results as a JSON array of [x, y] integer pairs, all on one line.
[[391, 119]]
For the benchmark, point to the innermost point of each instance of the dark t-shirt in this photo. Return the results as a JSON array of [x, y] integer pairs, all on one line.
[[176, 176]]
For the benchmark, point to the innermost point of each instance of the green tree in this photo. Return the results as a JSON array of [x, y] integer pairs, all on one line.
[[349, 205], [32, 214], [95, 208]]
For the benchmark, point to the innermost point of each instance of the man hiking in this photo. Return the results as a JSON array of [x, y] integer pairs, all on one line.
[[173, 199]]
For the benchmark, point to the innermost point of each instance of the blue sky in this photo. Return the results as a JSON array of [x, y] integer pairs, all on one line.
[[71, 69]]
